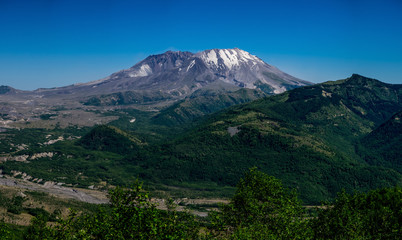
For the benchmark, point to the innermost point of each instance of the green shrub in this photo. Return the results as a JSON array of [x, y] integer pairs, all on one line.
[[15, 205], [373, 215], [263, 209]]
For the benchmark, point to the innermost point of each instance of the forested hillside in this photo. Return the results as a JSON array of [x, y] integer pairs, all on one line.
[[307, 137]]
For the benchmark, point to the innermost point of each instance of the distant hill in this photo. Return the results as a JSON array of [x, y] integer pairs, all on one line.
[[306, 137], [111, 139], [6, 89]]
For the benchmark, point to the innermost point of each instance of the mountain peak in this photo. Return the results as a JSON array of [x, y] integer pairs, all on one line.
[[362, 80], [6, 89], [356, 77], [160, 62]]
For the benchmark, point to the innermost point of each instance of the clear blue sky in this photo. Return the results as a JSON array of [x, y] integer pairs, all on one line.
[[51, 43]]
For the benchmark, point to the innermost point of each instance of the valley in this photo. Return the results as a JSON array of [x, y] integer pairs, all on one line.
[[308, 137]]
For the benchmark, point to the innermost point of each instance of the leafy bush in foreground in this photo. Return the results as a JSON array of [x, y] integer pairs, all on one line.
[[262, 208]]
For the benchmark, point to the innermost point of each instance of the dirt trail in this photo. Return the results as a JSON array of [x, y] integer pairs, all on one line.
[[90, 196], [99, 197]]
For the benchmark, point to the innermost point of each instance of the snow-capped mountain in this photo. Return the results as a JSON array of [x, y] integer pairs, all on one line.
[[182, 73], [165, 78]]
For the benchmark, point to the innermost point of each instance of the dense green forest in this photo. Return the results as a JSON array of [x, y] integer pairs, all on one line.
[[261, 208]]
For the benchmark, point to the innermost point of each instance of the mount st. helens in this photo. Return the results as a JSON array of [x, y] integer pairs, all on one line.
[[200, 80], [182, 73]]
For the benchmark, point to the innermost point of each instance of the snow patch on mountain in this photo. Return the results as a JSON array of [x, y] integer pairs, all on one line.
[[247, 56], [191, 65], [144, 71], [210, 57], [229, 58]]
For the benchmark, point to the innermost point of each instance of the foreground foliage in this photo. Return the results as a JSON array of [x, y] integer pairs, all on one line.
[[262, 208], [130, 215]]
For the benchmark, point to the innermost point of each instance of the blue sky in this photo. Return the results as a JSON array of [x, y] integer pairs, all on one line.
[[51, 43]]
